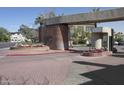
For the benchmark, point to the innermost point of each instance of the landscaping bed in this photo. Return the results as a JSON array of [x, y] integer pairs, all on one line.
[[96, 52], [29, 47], [30, 50]]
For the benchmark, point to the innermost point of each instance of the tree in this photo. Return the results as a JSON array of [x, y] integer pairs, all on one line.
[[4, 35], [40, 19], [50, 14], [62, 14], [80, 36], [75, 36], [94, 10], [28, 32], [119, 36]]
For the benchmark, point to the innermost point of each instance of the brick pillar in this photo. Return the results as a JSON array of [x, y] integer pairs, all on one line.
[[56, 36]]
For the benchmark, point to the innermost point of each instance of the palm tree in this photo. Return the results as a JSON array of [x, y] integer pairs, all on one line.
[[39, 20], [94, 10]]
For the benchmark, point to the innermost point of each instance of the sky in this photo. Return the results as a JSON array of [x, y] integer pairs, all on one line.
[[12, 17]]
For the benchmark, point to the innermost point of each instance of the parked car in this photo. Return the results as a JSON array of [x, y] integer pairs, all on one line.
[[114, 50], [120, 43], [115, 43]]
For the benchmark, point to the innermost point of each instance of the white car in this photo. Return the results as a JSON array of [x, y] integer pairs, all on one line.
[[115, 43]]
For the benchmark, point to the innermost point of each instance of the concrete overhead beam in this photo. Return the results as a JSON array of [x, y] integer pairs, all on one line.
[[84, 18]]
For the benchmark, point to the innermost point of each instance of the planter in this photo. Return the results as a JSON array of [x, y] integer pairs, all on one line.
[[96, 52], [30, 47]]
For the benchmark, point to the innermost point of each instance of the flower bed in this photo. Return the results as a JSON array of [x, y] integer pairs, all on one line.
[[26, 46], [96, 52]]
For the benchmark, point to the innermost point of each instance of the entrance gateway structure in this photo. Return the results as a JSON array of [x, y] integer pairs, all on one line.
[[54, 33], [102, 37]]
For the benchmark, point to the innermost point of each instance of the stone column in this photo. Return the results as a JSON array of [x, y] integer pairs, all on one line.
[[98, 43], [56, 36], [97, 40]]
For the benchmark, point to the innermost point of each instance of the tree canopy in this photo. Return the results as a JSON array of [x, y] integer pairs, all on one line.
[[119, 36], [95, 10], [4, 35], [40, 18], [80, 36], [28, 32]]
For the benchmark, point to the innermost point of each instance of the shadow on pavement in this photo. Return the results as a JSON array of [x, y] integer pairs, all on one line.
[[76, 51], [110, 75], [118, 54]]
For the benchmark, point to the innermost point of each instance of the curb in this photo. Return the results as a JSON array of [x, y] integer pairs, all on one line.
[[35, 54]]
